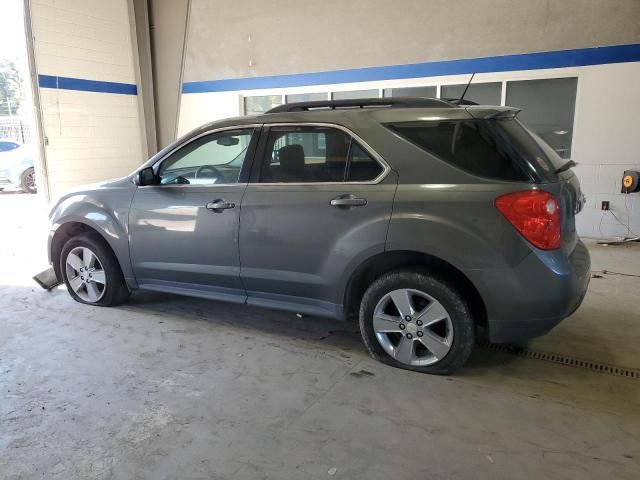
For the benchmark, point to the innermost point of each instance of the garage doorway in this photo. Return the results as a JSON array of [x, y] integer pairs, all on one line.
[[23, 189]]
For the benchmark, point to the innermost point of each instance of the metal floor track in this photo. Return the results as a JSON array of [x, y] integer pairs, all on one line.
[[562, 360]]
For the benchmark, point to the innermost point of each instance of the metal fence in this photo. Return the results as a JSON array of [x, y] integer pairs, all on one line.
[[15, 127]]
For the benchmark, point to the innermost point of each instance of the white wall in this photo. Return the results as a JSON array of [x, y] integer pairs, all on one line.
[[606, 138], [606, 143], [92, 136]]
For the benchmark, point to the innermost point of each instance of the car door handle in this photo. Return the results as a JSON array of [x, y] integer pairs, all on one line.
[[220, 204], [348, 201]]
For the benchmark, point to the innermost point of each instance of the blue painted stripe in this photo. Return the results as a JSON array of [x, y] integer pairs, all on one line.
[[80, 84], [505, 63]]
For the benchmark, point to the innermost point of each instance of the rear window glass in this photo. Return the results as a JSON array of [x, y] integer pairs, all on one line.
[[476, 146]]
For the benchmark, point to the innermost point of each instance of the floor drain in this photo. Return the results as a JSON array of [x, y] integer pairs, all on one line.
[[562, 360]]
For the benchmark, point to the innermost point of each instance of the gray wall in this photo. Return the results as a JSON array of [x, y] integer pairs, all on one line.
[[292, 36], [167, 19]]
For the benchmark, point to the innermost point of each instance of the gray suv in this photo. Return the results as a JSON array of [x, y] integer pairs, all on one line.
[[433, 223]]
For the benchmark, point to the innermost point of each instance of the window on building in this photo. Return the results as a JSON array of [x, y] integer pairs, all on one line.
[[548, 108], [306, 97], [355, 94], [410, 92], [260, 104], [480, 93]]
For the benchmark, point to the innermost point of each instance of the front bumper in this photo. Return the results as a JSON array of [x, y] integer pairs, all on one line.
[[530, 299]]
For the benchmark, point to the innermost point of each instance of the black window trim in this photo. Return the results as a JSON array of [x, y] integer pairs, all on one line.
[[261, 151]]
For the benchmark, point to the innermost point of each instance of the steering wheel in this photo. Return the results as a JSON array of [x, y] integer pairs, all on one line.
[[217, 174]]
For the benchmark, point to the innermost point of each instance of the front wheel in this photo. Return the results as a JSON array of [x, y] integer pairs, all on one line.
[[28, 181], [413, 320], [91, 271]]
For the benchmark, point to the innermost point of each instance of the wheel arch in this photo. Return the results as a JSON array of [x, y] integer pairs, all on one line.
[[68, 230], [377, 265]]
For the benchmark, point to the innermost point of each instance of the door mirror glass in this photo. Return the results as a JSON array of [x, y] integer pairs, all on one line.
[[146, 177]]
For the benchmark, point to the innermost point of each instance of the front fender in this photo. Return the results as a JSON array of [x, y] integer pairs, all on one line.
[[104, 208]]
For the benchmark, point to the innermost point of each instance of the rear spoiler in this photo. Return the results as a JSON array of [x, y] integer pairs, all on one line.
[[492, 113]]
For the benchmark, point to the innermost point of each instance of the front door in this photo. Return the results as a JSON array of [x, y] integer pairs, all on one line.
[[319, 204], [184, 230]]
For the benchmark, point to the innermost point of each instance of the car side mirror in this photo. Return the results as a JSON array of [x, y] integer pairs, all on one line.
[[146, 176]]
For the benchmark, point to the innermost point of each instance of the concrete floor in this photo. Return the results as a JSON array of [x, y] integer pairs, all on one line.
[[173, 388]]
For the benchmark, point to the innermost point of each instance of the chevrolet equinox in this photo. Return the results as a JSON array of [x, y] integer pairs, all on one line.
[[431, 222]]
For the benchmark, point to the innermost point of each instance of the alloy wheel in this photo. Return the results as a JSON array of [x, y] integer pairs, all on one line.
[[413, 327], [30, 181], [85, 274]]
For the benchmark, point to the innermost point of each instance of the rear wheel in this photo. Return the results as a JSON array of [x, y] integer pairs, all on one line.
[[28, 181], [416, 321], [91, 271]]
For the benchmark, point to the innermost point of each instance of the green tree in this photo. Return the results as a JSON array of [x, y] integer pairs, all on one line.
[[10, 83]]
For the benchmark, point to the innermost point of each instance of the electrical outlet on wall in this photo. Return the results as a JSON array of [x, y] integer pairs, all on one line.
[[605, 205]]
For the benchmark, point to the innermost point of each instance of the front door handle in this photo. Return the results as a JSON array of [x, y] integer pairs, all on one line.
[[219, 204], [348, 201]]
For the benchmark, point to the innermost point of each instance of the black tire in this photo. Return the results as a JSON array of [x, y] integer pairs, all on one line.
[[442, 291], [27, 181], [115, 290]]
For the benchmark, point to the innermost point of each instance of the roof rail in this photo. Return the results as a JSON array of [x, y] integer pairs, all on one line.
[[401, 102]]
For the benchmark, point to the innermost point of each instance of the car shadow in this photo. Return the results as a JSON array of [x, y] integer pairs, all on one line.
[[317, 331]]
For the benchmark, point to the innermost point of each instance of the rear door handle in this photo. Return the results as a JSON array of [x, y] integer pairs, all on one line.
[[220, 204], [348, 201]]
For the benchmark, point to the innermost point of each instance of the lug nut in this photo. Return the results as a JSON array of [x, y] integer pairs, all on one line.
[[419, 323], [401, 326], [409, 336], [407, 318], [419, 334]]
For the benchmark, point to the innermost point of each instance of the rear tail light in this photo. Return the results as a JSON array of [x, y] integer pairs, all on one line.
[[535, 214]]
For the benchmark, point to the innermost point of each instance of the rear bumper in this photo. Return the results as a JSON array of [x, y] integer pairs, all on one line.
[[529, 300]]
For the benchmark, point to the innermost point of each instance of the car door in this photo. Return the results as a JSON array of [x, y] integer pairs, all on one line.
[[318, 203], [184, 229]]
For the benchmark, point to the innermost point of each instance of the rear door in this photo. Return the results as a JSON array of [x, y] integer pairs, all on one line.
[[184, 231], [319, 201]]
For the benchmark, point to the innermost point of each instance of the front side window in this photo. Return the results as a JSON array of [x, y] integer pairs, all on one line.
[[212, 159], [315, 154]]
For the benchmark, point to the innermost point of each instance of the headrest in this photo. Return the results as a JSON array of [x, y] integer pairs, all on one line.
[[291, 157]]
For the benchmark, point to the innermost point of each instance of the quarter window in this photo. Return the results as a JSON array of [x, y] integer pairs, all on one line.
[[213, 159], [479, 147]]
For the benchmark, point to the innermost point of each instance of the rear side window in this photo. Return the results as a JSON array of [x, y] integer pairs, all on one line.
[[315, 155], [471, 145], [362, 168]]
